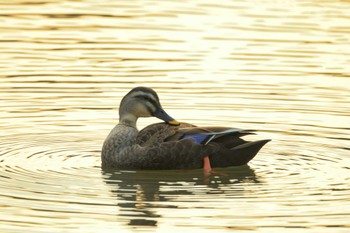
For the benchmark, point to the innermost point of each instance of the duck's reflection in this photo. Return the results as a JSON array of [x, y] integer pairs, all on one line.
[[140, 193]]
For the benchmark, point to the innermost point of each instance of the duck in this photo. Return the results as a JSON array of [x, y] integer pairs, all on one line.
[[171, 144]]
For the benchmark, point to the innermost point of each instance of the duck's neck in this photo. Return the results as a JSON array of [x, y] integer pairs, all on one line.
[[128, 120]]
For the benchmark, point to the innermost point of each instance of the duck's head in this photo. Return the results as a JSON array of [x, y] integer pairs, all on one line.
[[142, 102]]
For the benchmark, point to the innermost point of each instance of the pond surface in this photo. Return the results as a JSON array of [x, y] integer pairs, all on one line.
[[281, 67]]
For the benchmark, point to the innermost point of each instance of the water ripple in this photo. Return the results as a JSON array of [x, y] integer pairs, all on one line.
[[278, 67]]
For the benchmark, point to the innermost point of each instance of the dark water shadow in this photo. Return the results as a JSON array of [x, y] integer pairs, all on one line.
[[140, 193]]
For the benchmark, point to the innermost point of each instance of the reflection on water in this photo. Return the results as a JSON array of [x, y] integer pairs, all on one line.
[[281, 67], [140, 194]]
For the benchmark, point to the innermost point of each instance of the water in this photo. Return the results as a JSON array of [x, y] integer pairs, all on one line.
[[281, 67]]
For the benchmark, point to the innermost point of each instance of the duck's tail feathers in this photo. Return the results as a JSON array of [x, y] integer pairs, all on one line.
[[237, 156]]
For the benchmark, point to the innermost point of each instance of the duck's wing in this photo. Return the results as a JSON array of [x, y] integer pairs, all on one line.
[[227, 137], [157, 133]]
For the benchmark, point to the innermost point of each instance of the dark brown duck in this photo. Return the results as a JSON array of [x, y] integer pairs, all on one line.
[[171, 145]]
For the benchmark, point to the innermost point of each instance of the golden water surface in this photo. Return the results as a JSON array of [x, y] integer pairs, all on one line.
[[279, 66]]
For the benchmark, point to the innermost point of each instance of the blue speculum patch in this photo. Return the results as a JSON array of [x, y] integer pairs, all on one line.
[[198, 138]]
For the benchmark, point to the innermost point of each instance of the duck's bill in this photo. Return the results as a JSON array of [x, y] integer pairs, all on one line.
[[161, 114], [173, 122]]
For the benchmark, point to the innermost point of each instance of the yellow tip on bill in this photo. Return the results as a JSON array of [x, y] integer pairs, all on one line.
[[173, 122]]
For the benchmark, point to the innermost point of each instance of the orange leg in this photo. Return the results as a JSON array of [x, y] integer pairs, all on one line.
[[206, 166]]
